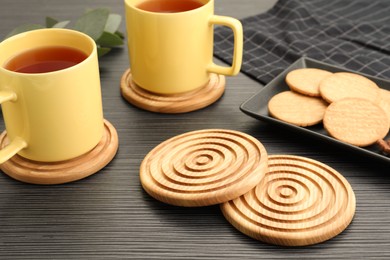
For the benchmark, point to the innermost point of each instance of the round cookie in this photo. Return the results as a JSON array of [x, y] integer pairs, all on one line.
[[306, 80], [348, 85], [299, 202], [202, 168], [356, 121], [384, 102], [297, 109]]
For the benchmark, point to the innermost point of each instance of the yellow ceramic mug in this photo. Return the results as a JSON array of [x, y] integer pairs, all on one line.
[[172, 52], [51, 116]]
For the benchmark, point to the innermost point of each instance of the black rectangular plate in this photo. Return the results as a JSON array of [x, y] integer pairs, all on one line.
[[257, 106]]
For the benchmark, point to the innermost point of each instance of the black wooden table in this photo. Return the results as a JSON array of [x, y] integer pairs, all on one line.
[[108, 215]]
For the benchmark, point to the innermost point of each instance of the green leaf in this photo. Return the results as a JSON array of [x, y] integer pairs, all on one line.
[[50, 22], [62, 24], [98, 23], [93, 22], [24, 28], [109, 40], [120, 34], [102, 51], [113, 23]]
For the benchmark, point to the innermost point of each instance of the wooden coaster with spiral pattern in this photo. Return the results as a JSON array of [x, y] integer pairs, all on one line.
[[29, 171], [175, 103], [203, 168], [299, 202]]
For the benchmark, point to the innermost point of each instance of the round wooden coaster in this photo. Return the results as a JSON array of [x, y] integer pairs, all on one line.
[[175, 103], [299, 202], [29, 171], [204, 167]]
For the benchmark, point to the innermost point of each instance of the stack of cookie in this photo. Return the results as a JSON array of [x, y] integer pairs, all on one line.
[[353, 108]]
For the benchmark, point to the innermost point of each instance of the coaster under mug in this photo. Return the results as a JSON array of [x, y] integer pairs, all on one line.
[[174, 103], [33, 172]]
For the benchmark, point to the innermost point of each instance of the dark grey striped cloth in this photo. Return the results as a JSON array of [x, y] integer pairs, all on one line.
[[354, 34]]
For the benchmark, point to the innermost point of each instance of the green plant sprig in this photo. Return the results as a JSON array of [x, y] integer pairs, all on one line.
[[101, 25]]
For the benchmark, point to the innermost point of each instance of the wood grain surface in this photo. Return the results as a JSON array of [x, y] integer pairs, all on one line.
[[109, 216]]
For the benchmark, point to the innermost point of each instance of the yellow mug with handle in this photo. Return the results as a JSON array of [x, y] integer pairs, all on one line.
[[172, 52], [51, 116]]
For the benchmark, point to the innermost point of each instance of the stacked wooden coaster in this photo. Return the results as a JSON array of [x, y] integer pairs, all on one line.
[[279, 199], [203, 168]]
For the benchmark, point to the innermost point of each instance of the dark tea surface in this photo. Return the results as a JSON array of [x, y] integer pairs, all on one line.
[[45, 59], [169, 6]]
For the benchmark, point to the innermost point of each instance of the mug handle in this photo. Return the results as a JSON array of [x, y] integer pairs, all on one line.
[[18, 143], [236, 27]]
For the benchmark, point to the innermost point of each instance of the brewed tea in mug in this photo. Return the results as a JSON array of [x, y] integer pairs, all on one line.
[[45, 59], [169, 6]]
